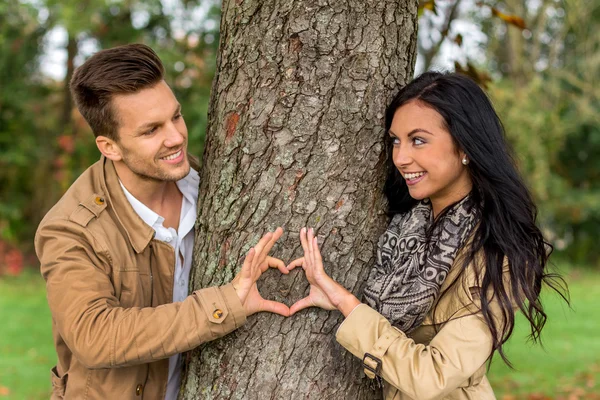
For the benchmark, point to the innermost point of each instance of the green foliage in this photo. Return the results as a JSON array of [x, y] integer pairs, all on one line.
[[546, 92], [557, 144], [21, 97], [44, 142], [551, 118]]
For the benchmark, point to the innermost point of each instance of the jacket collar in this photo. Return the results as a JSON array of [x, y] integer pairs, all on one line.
[[138, 232]]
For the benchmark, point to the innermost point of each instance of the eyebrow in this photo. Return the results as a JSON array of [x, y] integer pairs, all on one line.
[[143, 128], [416, 130]]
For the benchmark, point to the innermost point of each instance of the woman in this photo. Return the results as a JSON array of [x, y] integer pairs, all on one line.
[[461, 253]]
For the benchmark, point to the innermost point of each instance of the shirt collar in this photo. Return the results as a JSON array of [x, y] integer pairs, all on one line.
[[145, 213], [188, 186]]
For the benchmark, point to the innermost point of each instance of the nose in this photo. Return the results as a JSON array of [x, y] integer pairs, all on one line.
[[401, 156], [174, 135]]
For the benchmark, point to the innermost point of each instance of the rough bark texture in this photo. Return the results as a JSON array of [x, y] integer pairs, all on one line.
[[295, 139]]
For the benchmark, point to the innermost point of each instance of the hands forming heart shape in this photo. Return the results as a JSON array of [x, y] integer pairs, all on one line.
[[324, 291]]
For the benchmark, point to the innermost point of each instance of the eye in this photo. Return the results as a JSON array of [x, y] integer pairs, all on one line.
[[394, 140], [178, 116], [151, 131], [418, 141]]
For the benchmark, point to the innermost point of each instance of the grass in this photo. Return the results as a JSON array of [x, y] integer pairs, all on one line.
[[567, 368], [26, 348]]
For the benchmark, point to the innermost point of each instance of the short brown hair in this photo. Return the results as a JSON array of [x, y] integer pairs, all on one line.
[[120, 70]]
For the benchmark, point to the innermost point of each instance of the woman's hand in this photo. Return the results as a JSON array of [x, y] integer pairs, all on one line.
[[324, 291], [256, 262]]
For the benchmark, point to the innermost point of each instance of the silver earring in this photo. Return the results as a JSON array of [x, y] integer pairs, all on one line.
[[465, 161]]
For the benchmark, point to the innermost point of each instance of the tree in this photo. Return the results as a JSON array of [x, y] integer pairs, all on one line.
[[295, 138], [21, 97], [33, 177]]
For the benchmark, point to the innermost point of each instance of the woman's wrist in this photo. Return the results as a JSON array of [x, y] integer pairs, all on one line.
[[340, 297], [347, 304]]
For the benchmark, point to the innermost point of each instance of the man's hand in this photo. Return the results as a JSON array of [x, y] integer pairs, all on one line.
[[256, 262]]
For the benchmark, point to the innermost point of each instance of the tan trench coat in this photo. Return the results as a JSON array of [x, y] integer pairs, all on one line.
[[110, 287], [449, 363]]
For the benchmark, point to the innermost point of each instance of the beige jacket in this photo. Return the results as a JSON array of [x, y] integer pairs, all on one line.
[[109, 284], [447, 364]]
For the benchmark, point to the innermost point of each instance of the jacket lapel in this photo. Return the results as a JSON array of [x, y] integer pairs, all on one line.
[[137, 231]]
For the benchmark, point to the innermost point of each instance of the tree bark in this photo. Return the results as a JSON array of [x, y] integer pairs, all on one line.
[[295, 139]]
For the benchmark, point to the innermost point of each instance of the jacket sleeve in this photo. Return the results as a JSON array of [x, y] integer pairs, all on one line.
[[101, 333], [456, 352]]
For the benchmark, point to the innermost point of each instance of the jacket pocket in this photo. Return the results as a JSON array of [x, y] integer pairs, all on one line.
[[59, 384]]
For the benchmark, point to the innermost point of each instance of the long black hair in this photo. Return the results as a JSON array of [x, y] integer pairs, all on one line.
[[507, 227]]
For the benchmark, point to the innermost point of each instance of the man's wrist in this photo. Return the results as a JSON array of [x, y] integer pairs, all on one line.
[[236, 287]]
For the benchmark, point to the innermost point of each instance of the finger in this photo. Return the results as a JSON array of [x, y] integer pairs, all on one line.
[[258, 249], [244, 278], [304, 241], [275, 307], [263, 242], [318, 258], [274, 238], [310, 245], [296, 263], [301, 305], [247, 265], [277, 263], [308, 261]]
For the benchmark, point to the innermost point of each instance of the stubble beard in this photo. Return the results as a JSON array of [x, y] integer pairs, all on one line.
[[152, 174]]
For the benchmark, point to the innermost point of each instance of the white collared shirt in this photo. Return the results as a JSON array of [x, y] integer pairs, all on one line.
[[182, 241]]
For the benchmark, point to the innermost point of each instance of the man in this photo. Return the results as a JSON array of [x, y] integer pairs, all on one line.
[[116, 250]]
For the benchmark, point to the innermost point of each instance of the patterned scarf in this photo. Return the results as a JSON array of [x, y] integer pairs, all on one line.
[[411, 267]]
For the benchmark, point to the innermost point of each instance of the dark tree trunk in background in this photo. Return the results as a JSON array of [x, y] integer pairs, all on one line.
[[295, 139], [65, 119]]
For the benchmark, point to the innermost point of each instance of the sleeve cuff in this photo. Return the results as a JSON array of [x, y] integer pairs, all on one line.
[[362, 329], [345, 319], [222, 308], [235, 306]]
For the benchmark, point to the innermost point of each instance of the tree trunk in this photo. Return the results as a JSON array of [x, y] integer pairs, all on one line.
[[295, 139], [431, 52], [65, 119]]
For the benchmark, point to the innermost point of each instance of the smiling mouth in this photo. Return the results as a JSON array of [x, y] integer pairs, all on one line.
[[414, 177], [172, 156]]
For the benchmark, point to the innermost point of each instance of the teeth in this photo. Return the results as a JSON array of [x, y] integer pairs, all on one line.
[[413, 176], [172, 156]]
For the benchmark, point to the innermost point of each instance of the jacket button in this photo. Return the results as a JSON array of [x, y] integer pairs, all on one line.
[[218, 313], [139, 390], [99, 200]]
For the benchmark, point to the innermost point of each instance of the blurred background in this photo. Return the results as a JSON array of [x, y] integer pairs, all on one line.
[[538, 59]]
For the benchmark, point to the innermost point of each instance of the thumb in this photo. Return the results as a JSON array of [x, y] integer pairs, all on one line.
[[301, 305], [275, 307]]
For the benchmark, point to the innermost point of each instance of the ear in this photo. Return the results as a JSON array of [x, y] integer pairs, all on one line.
[[109, 148]]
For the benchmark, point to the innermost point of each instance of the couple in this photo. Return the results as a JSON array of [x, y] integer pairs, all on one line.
[[462, 252]]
